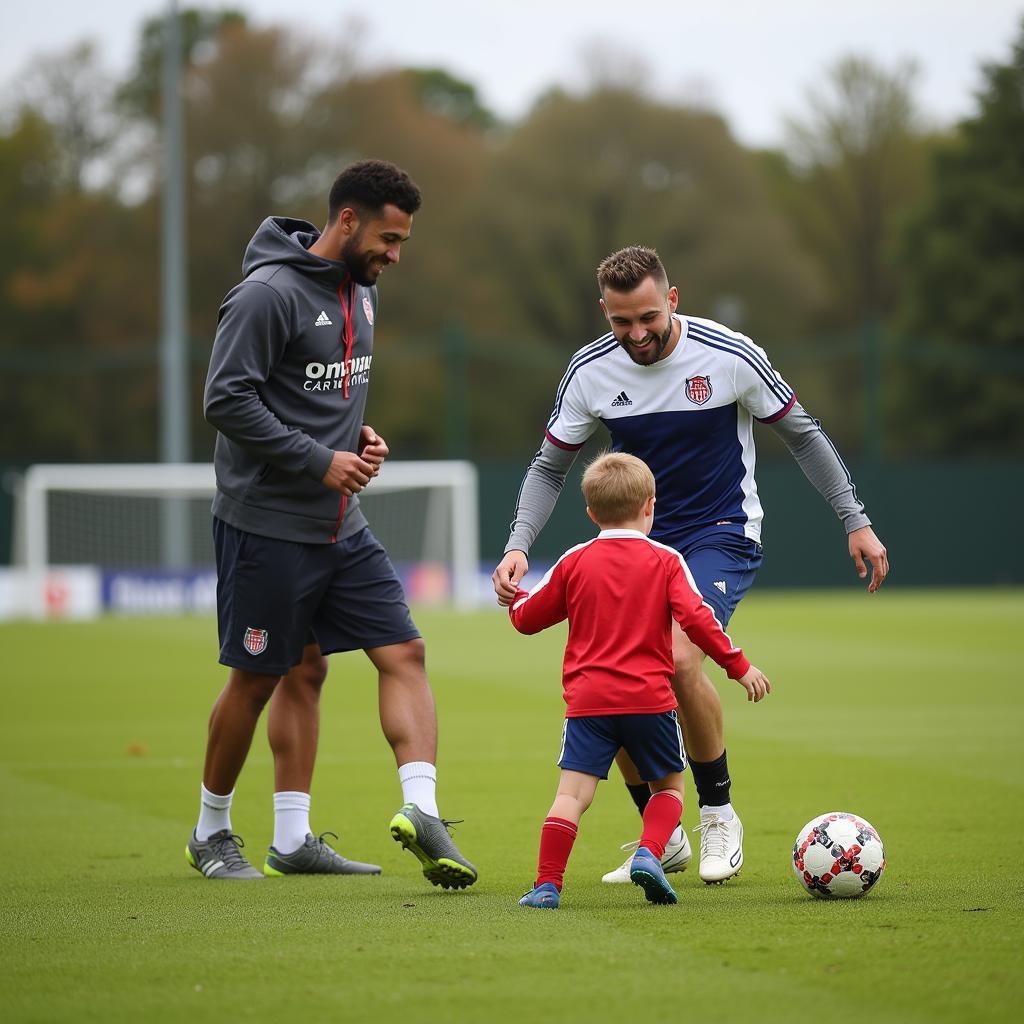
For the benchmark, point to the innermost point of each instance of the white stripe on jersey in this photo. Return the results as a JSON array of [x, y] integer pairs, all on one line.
[[546, 579], [594, 350], [751, 502]]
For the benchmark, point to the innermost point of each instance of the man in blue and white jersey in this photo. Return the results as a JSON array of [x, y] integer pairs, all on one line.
[[682, 393]]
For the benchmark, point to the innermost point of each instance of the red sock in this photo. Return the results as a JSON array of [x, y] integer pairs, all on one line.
[[556, 839], [661, 816]]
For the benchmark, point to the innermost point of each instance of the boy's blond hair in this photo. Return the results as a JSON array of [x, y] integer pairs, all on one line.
[[616, 485]]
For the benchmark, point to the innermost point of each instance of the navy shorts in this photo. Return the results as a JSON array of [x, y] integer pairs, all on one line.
[[723, 566], [653, 742], [276, 596]]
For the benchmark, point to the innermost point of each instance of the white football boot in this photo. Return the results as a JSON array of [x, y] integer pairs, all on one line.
[[676, 858], [721, 847]]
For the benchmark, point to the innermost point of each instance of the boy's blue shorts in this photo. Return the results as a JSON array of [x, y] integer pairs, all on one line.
[[653, 742], [276, 596]]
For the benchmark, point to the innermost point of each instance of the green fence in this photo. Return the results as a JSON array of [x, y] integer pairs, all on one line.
[[943, 523]]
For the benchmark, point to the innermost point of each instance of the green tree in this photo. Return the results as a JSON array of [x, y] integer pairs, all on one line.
[[584, 175], [440, 92], [963, 301], [198, 30], [856, 160], [439, 282], [269, 124], [73, 93], [75, 296]]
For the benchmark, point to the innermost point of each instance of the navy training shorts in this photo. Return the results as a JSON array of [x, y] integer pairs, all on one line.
[[723, 566], [653, 742], [276, 596]]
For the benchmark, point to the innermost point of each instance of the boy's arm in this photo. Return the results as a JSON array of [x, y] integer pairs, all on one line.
[[699, 622], [543, 606]]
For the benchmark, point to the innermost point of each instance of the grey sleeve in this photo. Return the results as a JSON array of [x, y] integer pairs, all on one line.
[[537, 495], [252, 331], [818, 458]]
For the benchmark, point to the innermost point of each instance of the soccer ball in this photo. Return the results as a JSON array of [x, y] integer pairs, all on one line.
[[838, 856]]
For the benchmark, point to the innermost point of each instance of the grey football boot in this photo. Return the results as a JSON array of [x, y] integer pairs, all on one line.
[[428, 838], [315, 857], [219, 857]]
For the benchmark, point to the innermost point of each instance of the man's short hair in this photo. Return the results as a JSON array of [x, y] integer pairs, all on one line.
[[368, 186], [626, 269], [616, 485]]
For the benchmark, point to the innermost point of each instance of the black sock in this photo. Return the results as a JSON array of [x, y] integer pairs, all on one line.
[[712, 781], [640, 793]]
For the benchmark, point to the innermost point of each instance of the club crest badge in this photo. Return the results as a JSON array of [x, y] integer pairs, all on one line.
[[698, 389], [368, 309], [255, 640]]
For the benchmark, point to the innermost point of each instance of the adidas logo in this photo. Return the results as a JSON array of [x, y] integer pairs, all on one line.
[[720, 585], [621, 399], [323, 320]]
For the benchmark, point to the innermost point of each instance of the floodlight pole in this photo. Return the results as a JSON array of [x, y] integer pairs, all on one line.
[[174, 347]]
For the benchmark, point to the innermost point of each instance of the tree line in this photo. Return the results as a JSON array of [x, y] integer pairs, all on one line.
[[878, 259]]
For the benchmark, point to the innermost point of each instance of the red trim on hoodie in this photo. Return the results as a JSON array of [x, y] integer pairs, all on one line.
[[341, 515], [347, 334], [348, 340]]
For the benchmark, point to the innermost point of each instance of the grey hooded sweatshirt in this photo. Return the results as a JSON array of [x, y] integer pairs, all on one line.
[[287, 387]]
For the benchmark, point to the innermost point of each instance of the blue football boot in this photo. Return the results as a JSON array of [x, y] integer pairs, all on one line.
[[544, 897]]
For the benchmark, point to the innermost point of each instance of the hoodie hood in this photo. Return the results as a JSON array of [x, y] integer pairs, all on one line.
[[287, 240]]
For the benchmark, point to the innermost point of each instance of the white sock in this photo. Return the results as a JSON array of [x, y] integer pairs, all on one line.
[[214, 813], [419, 786], [291, 820], [677, 836], [725, 812]]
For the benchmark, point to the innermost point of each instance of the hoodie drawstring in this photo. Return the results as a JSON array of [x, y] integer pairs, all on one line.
[[347, 332], [348, 339]]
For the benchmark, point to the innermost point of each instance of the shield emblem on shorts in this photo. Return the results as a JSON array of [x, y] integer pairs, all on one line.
[[698, 389], [255, 640]]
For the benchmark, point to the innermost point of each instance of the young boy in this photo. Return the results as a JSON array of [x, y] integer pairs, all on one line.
[[620, 593]]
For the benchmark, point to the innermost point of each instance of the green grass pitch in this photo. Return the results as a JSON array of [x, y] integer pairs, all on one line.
[[904, 707]]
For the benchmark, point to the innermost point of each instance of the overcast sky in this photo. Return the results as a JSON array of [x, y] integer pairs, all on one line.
[[753, 61]]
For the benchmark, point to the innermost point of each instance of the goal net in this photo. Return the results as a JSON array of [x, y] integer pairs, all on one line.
[[146, 531]]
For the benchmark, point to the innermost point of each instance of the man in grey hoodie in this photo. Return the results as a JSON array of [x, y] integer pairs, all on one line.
[[300, 575]]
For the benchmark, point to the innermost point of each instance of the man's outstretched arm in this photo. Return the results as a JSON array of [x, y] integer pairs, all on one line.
[[537, 496], [817, 457]]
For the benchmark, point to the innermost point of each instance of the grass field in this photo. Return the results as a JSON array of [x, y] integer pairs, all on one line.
[[904, 707]]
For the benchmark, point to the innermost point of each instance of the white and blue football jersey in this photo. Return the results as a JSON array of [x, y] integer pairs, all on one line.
[[689, 416]]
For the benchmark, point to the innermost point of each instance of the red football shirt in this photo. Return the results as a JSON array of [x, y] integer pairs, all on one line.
[[620, 593]]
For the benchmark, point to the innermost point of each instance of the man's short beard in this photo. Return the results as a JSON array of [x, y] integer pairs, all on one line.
[[358, 263], [660, 346]]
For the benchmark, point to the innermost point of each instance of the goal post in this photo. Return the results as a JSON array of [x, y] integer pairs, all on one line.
[[115, 517]]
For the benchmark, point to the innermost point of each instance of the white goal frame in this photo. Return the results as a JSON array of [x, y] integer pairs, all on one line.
[[197, 480]]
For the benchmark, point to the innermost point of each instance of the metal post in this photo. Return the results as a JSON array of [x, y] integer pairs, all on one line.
[[872, 395], [456, 421], [174, 361]]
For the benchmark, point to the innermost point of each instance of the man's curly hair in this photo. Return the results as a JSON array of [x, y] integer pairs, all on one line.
[[369, 185]]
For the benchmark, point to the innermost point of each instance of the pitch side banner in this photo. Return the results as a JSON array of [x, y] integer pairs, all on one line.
[[61, 592], [85, 592], [159, 592], [162, 592]]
